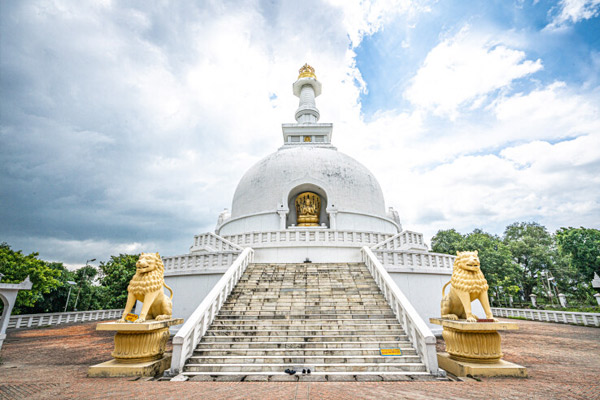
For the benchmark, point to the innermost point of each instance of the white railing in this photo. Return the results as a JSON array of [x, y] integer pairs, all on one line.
[[190, 263], [311, 237], [404, 240], [418, 332], [564, 317], [187, 338], [211, 243], [415, 260], [48, 319]]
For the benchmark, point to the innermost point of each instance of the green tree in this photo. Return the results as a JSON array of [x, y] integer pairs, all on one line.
[[531, 247], [447, 241], [495, 258], [115, 275], [580, 251], [89, 296], [583, 247], [55, 299], [16, 267]]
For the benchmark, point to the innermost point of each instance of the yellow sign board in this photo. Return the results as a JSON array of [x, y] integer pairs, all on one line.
[[131, 317], [390, 352]]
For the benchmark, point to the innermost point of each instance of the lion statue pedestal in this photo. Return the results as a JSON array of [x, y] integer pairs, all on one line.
[[472, 345], [140, 344]]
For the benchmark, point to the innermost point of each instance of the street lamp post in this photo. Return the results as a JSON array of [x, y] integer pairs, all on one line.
[[79, 291], [71, 283]]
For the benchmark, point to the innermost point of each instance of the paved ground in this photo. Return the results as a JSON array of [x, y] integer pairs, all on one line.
[[563, 363]]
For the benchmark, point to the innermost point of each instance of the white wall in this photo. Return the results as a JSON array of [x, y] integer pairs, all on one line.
[[188, 293], [314, 254], [424, 291]]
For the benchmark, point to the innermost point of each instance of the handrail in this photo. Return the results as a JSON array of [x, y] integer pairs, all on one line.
[[47, 319], [187, 338], [418, 332], [561, 317]]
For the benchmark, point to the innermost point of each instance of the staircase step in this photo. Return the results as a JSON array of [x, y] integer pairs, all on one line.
[[302, 359], [383, 344], [302, 332], [277, 367], [291, 352], [331, 318]]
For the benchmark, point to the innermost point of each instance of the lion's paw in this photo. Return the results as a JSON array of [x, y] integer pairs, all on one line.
[[162, 317], [140, 320], [121, 320], [472, 319], [450, 316]]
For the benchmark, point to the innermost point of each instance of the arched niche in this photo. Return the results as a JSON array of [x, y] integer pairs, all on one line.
[[291, 203]]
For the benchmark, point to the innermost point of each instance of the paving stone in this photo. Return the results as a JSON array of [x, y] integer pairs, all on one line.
[[201, 378], [341, 378], [230, 378], [284, 378], [312, 378], [257, 378], [368, 378], [396, 378]]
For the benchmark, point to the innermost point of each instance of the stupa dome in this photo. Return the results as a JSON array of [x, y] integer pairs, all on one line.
[[268, 195], [348, 185]]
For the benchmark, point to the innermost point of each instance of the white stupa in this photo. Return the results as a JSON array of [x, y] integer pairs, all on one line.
[[309, 202]]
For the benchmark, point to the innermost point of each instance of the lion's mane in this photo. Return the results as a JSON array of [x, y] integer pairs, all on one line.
[[465, 280], [151, 281]]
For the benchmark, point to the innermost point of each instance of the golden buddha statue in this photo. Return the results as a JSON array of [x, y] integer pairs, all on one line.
[[308, 208]]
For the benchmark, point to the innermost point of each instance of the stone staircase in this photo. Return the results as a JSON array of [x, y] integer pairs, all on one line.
[[331, 318]]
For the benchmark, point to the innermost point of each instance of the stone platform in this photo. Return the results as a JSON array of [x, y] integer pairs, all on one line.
[[473, 348], [139, 349]]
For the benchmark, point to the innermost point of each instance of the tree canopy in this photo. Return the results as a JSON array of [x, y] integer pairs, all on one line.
[[44, 276], [528, 259]]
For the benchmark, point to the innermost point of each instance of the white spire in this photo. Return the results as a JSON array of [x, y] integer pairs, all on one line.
[[307, 87], [307, 131]]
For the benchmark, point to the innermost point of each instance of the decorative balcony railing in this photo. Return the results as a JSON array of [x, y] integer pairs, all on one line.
[[563, 317], [202, 262], [49, 319], [308, 237], [415, 260], [418, 332], [187, 338]]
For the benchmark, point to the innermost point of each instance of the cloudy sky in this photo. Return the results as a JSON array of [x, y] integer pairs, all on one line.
[[126, 125]]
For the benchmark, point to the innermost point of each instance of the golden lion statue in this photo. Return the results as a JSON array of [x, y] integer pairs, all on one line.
[[147, 286], [468, 284]]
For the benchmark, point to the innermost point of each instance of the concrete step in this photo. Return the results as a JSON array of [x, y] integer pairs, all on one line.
[[301, 324], [366, 344], [278, 367], [302, 359], [302, 332], [305, 338], [344, 314], [303, 317], [305, 322], [307, 351]]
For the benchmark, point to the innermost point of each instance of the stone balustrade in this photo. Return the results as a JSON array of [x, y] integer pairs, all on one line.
[[187, 338], [198, 263], [415, 261], [50, 319], [417, 330], [404, 240], [311, 237], [564, 317], [213, 243]]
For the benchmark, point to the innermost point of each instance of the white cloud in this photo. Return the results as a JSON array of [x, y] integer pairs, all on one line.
[[365, 17], [461, 71], [573, 11]]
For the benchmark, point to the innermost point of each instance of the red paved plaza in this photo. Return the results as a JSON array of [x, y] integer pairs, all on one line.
[[563, 362]]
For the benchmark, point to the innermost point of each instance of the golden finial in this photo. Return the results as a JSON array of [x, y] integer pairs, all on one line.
[[307, 72]]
